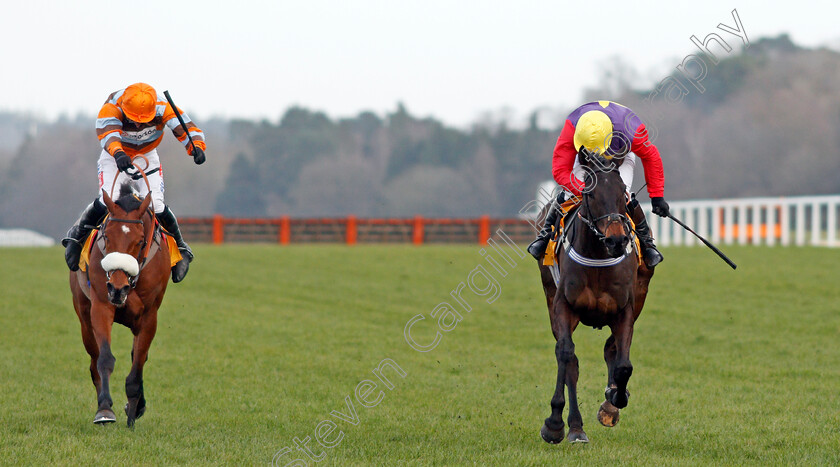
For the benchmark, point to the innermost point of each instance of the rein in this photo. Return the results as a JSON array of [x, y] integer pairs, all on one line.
[[612, 218], [147, 244], [586, 217], [141, 173], [126, 221]]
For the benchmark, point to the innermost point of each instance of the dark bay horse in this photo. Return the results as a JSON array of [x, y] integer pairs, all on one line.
[[124, 283], [601, 283]]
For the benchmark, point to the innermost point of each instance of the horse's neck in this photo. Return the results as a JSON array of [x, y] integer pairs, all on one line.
[[584, 240], [586, 243]]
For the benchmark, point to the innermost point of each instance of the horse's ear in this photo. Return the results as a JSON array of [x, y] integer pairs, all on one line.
[[109, 203], [145, 204], [584, 157]]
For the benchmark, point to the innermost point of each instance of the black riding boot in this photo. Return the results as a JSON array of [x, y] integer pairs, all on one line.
[[651, 255], [170, 224], [72, 243], [538, 246]]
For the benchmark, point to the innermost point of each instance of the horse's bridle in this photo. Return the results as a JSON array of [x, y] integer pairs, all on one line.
[[144, 250], [604, 166]]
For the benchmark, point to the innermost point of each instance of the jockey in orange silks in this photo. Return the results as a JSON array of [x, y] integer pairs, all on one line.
[[131, 124]]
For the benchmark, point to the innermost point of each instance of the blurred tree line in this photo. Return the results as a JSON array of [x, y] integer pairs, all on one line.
[[399, 165], [765, 125]]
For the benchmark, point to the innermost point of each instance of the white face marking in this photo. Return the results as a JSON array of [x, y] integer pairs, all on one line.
[[125, 229]]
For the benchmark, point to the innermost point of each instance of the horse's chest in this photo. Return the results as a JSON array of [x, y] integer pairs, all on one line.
[[597, 298], [590, 300]]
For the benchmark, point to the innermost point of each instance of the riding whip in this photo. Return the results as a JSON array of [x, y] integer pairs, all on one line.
[[705, 242], [180, 119]]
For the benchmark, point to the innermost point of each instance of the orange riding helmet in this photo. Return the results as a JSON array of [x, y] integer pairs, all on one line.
[[138, 102]]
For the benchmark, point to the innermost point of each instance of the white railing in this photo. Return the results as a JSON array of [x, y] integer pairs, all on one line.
[[796, 220], [23, 237]]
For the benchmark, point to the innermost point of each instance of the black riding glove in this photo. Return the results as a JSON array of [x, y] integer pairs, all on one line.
[[660, 207], [198, 155], [123, 161]]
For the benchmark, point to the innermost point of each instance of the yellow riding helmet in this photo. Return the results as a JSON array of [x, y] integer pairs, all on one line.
[[138, 102], [594, 132]]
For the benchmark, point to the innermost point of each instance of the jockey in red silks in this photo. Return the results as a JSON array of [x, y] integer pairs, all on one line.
[[611, 130], [130, 124]]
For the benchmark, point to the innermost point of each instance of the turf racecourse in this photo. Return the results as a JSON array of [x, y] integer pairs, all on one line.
[[261, 343]]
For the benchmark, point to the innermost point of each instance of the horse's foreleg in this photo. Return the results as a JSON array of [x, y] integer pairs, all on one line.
[[102, 318], [622, 368], [93, 350], [143, 335], [576, 433], [564, 350], [609, 357], [82, 306], [608, 413]]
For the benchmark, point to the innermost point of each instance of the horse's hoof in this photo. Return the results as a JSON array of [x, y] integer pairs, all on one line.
[[129, 422], [141, 409], [608, 414], [551, 436], [616, 398], [104, 416], [577, 436]]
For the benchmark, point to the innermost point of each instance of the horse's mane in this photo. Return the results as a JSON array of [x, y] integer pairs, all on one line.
[[128, 199]]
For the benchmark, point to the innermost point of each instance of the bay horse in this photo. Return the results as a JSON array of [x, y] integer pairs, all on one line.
[[601, 283], [124, 283]]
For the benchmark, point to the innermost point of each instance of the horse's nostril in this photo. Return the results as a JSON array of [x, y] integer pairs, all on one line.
[[117, 296]]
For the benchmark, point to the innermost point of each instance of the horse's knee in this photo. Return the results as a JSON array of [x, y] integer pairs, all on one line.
[[106, 360], [565, 351]]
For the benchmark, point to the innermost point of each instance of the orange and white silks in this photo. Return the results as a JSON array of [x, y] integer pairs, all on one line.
[[116, 131]]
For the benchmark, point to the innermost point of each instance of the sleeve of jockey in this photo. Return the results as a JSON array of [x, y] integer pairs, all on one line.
[[172, 122], [651, 161], [108, 128], [564, 160]]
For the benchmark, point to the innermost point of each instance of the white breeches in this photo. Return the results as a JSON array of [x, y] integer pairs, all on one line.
[[107, 166], [625, 170]]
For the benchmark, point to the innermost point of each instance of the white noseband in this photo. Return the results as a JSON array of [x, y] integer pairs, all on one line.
[[121, 261]]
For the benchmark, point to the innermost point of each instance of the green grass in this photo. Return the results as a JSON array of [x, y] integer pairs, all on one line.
[[261, 343]]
